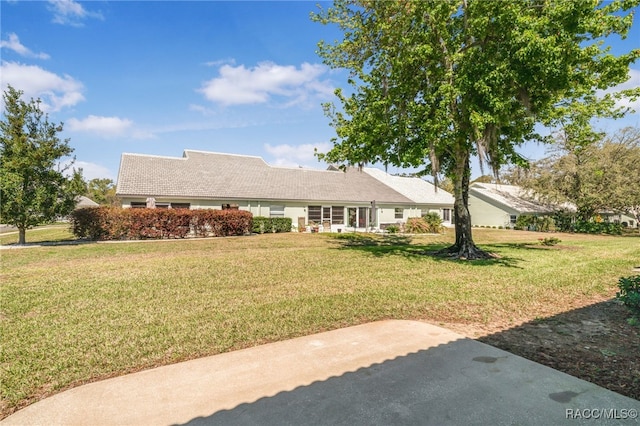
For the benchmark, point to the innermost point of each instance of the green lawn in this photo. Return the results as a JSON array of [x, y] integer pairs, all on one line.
[[49, 233], [76, 313]]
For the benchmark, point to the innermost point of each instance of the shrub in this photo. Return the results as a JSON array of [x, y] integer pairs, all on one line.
[[434, 221], [430, 223], [281, 224], [549, 241], [563, 220], [535, 223], [595, 227], [114, 223], [415, 225], [629, 294], [392, 229], [263, 224]]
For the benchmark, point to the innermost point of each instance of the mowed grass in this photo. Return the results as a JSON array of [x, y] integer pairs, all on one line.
[[71, 314], [49, 233]]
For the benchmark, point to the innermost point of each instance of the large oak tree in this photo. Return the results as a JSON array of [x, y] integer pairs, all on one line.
[[436, 82]]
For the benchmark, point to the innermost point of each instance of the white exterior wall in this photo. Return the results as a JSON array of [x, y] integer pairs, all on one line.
[[486, 214], [385, 214]]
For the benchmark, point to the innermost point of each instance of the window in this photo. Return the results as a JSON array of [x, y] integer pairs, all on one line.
[[363, 217], [276, 211], [180, 205], [315, 214], [337, 215], [399, 213], [446, 215], [138, 205], [513, 218], [162, 205], [230, 207], [353, 216]]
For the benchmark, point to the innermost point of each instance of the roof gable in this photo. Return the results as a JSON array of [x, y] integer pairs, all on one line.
[[417, 190], [510, 196]]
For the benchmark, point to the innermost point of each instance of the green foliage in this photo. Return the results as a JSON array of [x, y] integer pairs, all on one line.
[[434, 221], [629, 294], [535, 223], [435, 83], [431, 223], [595, 174], [263, 224], [392, 229], [114, 223], [103, 192], [596, 227], [549, 241], [563, 220], [33, 186]]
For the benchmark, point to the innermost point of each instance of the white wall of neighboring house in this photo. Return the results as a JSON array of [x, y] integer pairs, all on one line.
[[484, 213]]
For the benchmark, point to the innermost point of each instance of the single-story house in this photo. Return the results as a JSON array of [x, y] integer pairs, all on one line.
[[491, 204], [330, 198], [426, 197]]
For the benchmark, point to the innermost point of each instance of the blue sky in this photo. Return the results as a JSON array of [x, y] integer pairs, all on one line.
[[160, 77]]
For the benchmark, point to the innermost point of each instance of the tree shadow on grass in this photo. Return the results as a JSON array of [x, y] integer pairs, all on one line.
[[402, 245], [595, 343], [464, 382]]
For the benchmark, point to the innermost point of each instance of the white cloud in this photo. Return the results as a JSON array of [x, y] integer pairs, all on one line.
[[240, 85], [201, 109], [107, 127], [69, 12], [220, 62], [103, 126], [286, 155], [55, 91], [93, 170], [14, 44]]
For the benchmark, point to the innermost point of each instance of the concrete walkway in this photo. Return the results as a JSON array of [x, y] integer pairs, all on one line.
[[382, 373]]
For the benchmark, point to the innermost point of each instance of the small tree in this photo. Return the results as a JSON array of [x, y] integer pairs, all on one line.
[[103, 192], [595, 175], [33, 186]]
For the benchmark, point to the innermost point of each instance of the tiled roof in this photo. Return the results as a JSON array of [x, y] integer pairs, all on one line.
[[83, 201], [416, 189], [510, 196], [226, 176]]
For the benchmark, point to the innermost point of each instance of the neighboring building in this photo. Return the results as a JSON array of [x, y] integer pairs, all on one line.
[[330, 198], [623, 218], [492, 204], [82, 202], [425, 197]]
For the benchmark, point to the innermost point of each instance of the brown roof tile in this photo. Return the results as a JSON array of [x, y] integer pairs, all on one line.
[[226, 176]]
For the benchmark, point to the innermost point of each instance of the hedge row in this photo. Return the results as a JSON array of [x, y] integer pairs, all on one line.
[[114, 223], [263, 224]]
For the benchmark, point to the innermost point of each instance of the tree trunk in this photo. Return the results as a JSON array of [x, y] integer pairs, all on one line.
[[464, 247], [22, 236]]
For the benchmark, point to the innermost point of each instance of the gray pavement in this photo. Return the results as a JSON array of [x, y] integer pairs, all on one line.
[[382, 373]]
